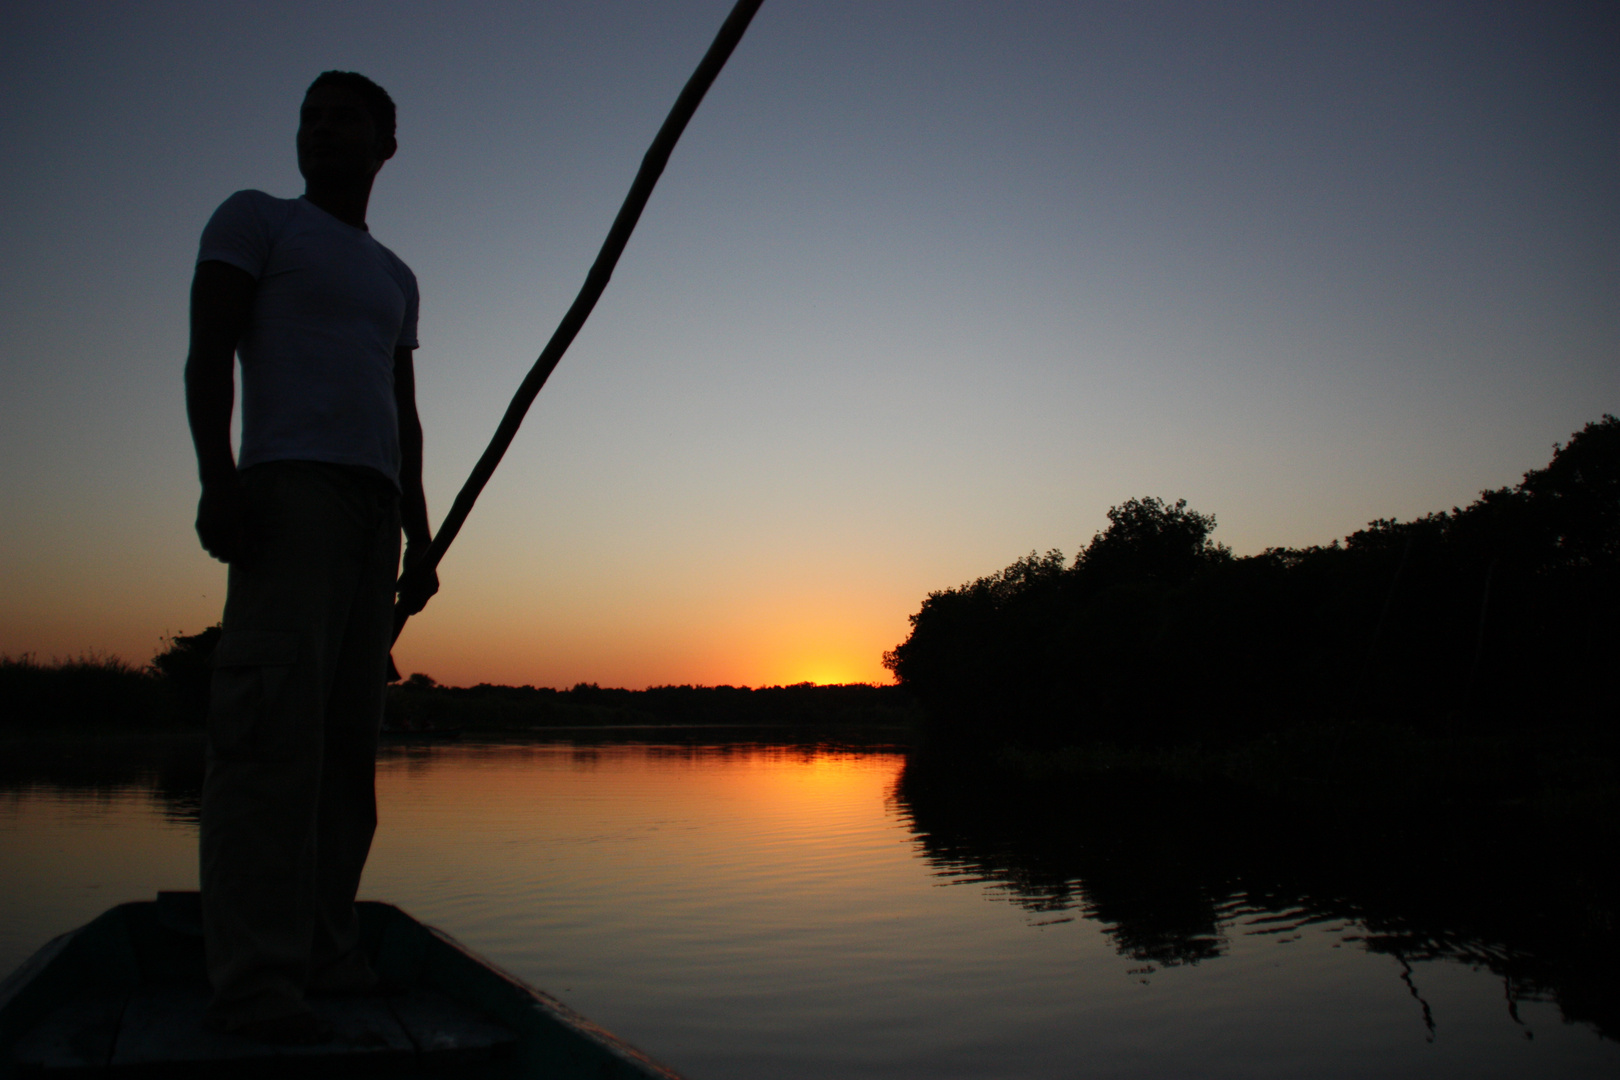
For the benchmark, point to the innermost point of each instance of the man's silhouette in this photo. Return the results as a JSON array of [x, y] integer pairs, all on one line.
[[308, 516]]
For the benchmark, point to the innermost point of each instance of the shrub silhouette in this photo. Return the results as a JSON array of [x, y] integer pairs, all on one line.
[[90, 690], [187, 669]]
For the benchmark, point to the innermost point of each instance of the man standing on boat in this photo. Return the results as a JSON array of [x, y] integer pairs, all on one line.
[[308, 516]]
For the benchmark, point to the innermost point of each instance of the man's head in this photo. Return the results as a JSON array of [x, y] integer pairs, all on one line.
[[345, 128]]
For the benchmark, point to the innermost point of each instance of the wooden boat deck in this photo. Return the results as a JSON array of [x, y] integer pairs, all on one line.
[[124, 996]]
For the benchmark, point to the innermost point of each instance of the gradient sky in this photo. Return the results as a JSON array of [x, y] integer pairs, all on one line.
[[926, 286]]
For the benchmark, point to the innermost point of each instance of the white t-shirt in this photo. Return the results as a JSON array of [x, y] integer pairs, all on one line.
[[318, 354]]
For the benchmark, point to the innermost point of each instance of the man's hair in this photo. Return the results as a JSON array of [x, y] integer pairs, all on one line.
[[378, 103]]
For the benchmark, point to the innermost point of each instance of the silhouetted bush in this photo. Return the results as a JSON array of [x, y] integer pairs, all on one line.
[[98, 690], [186, 667], [1496, 615], [105, 691]]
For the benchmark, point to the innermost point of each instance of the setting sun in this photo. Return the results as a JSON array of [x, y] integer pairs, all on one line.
[[832, 671]]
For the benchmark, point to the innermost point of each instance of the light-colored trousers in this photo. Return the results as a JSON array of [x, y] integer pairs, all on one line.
[[289, 800]]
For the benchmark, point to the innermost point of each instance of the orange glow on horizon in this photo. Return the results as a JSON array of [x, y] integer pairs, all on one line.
[[472, 640], [824, 667]]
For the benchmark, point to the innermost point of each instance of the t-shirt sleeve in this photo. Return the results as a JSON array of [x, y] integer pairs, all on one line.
[[407, 326], [239, 233]]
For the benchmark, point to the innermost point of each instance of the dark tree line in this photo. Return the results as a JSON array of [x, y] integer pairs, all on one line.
[[1481, 618], [422, 705], [172, 693]]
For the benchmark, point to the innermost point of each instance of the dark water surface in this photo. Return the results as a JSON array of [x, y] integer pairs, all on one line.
[[751, 909]]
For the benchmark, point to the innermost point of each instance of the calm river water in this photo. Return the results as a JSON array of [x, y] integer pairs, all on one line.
[[756, 910]]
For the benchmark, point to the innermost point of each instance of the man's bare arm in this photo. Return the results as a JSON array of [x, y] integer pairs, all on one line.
[[413, 593], [221, 304]]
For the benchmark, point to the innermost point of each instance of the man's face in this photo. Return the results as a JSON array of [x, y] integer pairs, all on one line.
[[337, 140]]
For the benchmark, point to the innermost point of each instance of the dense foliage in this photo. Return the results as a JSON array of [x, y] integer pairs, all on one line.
[[1500, 613]]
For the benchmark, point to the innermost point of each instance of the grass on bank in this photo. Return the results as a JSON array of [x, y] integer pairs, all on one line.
[[89, 691]]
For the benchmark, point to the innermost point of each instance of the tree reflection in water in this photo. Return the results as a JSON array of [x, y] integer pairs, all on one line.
[[1171, 871], [170, 766]]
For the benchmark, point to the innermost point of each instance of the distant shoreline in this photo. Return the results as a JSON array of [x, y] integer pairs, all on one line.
[[171, 695]]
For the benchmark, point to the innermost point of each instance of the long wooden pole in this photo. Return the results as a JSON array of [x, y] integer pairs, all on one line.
[[652, 166]]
